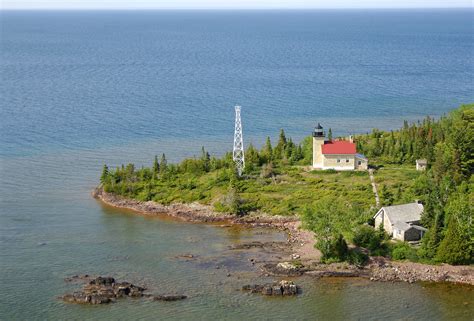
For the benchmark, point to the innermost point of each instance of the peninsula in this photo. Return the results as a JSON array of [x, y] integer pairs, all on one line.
[[330, 214]]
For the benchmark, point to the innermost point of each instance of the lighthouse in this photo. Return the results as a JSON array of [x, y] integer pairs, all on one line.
[[318, 142]]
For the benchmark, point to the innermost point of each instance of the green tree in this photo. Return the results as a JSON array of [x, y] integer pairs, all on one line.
[[280, 147], [267, 151], [431, 239], [156, 166], [105, 174], [461, 139], [307, 150], [324, 219], [443, 160], [386, 196], [163, 163], [205, 159], [457, 247], [330, 134], [130, 171], [366, 236], [252, 158]]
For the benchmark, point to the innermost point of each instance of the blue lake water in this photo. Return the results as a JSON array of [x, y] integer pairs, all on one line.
[[79, 89]]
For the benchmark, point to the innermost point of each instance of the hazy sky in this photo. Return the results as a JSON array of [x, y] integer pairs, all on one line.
[[228, 4]]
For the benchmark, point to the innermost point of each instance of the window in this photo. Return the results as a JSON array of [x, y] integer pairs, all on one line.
[[359, 163], [338, 160], [347, 161]]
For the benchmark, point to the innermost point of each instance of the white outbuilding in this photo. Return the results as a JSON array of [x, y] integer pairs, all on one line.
[[401, 221]]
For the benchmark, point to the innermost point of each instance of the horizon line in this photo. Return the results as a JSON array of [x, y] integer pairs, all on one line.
[[230, 8]]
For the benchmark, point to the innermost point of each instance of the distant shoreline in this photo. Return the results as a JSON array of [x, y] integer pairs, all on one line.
[[299, 245]]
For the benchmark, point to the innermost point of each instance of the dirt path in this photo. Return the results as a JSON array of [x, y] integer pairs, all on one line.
[[374, 187]]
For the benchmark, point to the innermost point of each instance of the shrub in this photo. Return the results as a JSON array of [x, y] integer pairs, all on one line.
[[403, 251], [333, 250], [233, 203], [357, 257], [366, 236], [340, 248], [267, 170]]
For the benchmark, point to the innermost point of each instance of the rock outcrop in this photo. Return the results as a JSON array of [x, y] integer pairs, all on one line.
[[102, 290], [284, 268], [282, 288]]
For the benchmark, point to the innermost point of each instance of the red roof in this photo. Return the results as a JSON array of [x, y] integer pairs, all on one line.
[[341, 147]]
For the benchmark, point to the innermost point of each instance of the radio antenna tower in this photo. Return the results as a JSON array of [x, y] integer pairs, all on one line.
[[238, 152]]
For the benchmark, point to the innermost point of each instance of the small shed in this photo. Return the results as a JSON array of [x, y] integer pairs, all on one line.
[[421, 164], [361, 162]]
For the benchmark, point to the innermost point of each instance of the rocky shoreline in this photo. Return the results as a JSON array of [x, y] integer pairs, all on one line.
[[193, 212], [304, 258]]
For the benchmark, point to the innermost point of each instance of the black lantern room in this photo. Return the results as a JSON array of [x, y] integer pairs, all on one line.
[[318, 131]]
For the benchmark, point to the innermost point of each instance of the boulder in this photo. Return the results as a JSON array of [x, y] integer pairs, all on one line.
[[277, 290], [103, 280], [282, 288]]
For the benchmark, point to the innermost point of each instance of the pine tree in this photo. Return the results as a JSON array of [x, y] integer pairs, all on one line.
[[156, 166], [280, 147], [251, 157], [105, 174], [457, 247], [299, 155], [432, 238], [267, 150], [163, 163], [330, 134], [206, 159], [288, 151]]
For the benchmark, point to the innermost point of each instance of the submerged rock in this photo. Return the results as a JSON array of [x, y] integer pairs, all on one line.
[[82, 297], [78, 278], [282, 288], [169, 297], [186, 256]]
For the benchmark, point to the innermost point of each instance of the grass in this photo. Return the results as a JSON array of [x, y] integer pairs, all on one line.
[[399, 179], [288, 192]]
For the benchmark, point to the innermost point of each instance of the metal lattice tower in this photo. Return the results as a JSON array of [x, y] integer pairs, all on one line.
[[238, 152]]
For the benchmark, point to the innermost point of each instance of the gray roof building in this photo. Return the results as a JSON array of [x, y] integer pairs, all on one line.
[[401, 221]]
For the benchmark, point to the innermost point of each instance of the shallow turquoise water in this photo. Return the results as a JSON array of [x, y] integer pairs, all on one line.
[[82, 89]]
